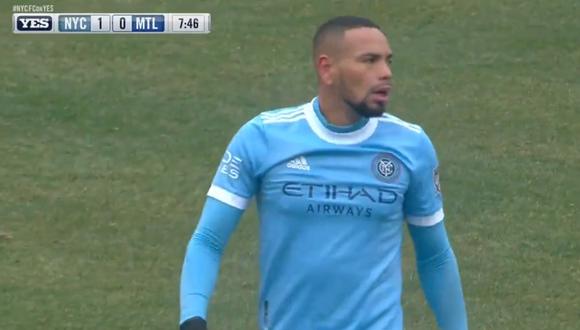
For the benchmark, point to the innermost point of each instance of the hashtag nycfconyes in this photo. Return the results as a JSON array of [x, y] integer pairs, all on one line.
[[33, 8]]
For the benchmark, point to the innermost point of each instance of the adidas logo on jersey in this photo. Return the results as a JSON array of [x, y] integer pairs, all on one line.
[[299, 163]]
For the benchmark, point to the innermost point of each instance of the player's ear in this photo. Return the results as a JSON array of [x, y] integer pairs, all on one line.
[[324, 69]]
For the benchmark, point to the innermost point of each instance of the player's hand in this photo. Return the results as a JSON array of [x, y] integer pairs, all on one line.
[[194, 323]]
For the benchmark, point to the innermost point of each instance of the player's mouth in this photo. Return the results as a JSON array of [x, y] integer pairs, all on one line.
[[381, 94]]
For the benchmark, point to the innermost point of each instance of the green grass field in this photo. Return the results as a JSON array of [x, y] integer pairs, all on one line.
[[108, 145]]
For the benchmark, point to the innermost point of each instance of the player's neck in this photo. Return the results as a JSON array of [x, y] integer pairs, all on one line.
[[337, 113]]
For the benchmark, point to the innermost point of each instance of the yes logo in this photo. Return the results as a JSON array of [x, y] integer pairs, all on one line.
[[34, 23]]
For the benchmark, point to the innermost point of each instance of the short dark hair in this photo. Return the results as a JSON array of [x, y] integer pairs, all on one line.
[[338, 25]]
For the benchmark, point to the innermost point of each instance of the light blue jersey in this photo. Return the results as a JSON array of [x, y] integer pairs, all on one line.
[[332, 203]]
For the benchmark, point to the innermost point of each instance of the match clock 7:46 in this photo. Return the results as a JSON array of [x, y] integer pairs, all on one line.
[[190, 23]]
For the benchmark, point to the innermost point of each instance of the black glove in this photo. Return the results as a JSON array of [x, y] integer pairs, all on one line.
[[194, 323]]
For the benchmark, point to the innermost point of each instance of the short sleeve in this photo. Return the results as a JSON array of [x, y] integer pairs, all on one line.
[[236, 179], [423, 200]]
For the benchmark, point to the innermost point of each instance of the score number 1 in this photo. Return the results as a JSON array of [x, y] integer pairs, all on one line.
[[189, 23]]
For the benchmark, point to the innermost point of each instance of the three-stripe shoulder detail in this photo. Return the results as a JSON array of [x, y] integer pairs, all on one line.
[[283, 115], [387, 118]]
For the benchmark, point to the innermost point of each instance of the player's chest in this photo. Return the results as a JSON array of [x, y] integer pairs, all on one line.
[[350, 183]]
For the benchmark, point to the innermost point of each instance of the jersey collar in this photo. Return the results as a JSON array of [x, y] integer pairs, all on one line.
[[352, 134]]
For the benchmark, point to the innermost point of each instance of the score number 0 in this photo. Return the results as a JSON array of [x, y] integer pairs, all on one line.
[[121, 23]]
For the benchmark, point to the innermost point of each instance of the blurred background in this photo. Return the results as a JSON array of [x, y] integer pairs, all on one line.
[[108, 144]]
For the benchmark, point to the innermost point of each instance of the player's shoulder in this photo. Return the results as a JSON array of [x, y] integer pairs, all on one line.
[[274, 119], [284, 115], [389, 121], [411, 132]]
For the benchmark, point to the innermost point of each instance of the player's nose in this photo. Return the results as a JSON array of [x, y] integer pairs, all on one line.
[[385, 72]]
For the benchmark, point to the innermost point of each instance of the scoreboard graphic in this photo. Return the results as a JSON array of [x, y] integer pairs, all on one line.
[[133, 23]]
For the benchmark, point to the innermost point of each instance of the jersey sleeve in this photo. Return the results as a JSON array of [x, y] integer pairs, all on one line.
[[423, 200], [236, 179]]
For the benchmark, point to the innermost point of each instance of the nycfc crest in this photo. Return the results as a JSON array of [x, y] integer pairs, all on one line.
[[386, 167]]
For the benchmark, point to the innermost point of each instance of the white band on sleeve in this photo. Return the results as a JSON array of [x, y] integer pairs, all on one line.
[[227, 197], [426, 221]]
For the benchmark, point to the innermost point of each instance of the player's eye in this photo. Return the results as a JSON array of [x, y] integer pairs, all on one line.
[[370, 60]]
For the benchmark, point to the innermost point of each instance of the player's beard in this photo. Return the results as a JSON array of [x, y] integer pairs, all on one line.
[[363, 109]]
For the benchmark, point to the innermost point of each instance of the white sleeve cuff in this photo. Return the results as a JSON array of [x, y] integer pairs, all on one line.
[[426, 221], [227, 197]]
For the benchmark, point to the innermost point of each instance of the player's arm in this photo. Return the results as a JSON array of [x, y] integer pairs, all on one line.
[[234, 184], [202, 261], [439, 275], [436, 262]]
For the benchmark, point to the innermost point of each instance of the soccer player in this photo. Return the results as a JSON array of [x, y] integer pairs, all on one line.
[[336, 180]]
